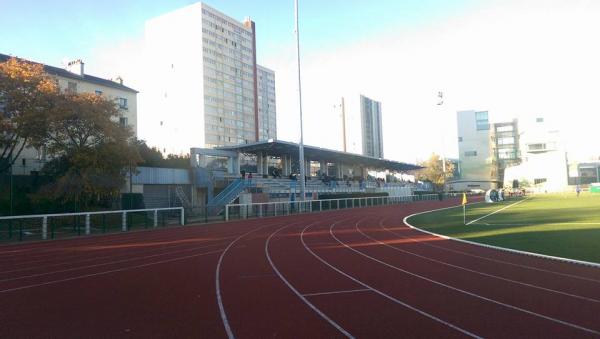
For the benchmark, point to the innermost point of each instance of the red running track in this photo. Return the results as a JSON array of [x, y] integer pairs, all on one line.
[[348, 273]]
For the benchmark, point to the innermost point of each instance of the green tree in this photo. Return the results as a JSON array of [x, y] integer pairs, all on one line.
[[152, 157], [92, 153], [433, 171], [26, 95]]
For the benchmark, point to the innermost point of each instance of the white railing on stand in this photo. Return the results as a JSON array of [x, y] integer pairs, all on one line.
[[41, 222], [259, 210]]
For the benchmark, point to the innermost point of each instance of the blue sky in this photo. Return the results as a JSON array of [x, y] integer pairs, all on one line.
[[48, 31], [516, 58]]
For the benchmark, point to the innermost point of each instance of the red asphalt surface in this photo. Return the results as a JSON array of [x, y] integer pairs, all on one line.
[[348, 273]]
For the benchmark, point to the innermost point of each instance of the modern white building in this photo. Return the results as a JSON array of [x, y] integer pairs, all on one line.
[[204, 91], [72, 77], [544, 160], [478, 167], [267, 110]]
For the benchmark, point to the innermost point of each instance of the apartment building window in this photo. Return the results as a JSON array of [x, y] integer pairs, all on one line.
[[470, 153], [537, 147], [123, 121], [507, 128], [72, 87], [482, 121], [123, 103], [460, 139], [506, 141], [98, 92]]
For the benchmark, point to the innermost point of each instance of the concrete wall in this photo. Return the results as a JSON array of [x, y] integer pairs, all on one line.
[[477, 166]]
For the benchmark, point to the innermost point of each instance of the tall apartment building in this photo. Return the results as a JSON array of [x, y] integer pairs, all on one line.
[[371, 128], [267, 110], [73, 78], [362, 125], [372, 133], [204, 91]]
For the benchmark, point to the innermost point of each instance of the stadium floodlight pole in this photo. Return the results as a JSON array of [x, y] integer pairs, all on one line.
[[440, 103], [301, 144]]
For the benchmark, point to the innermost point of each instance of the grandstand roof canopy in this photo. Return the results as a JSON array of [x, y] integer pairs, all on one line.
[[279, 148]]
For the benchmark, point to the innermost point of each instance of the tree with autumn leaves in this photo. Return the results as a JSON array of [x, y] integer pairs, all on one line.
[[90, 151], [26, 95], [433, 171]]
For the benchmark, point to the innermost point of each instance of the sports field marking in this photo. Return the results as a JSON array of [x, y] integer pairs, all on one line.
[[499, 210], [516, 308], [218, 280], [468, 269], [502, 249], [387, 296], [108, 263], [545, 223], [301, 296], [336, 292], [62, 263], [108, 272]]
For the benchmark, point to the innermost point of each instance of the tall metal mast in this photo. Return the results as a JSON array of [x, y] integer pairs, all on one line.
[[301, 144]]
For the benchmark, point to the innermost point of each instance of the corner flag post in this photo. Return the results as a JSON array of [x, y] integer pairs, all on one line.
[[464, 203]]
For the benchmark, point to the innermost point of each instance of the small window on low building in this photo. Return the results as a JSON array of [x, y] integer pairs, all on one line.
[[123, 103], [72, 87]]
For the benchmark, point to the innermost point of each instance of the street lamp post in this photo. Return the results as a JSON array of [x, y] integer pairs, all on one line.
[[301, 144]]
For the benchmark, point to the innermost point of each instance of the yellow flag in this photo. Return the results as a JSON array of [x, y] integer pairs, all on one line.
[[464, 201]]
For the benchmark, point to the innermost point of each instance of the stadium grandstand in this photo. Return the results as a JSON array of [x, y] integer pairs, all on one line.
[[268, 171]]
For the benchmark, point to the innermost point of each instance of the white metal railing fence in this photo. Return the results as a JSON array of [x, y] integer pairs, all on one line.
[[269, 209], [44, 226]]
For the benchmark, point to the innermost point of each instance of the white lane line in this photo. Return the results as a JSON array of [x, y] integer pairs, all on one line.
[[502, 249], [549, 223], [468, 269], [387, 296], [302, 297], [499, 210], [107, 263], [218, 280], [336, 292], [108, 272], [558, 321], [113, 256], [76, 250]]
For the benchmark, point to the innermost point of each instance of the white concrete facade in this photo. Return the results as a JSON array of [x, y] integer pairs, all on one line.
[[477, 165], [267, 108], [364, 131], [204, 90], [372, 130], [544, 161]]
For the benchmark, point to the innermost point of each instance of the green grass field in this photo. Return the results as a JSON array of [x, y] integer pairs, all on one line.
[[562, 225]]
